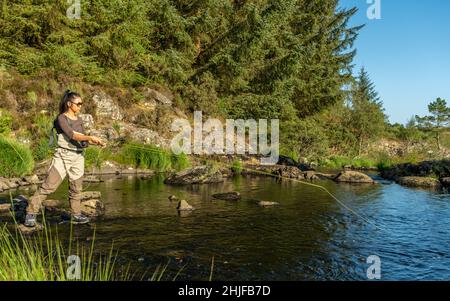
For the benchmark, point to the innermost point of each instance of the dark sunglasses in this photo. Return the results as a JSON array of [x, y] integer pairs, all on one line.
[[79, 104]]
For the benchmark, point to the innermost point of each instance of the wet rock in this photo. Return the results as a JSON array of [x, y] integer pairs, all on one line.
[[228, 196], [197, 175], [89, 195], [173, 198], [51, 203], [419, 182], [354, 177], [325, 176], [268, 204], [32, 180], [28, 231], [91, 179], [184, 206], [422, 169], [311, 175], [290, 172], [92, 208], [5, 207], [445, 182]]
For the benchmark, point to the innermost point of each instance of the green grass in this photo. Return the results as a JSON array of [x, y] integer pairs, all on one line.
[[44, 258], [95, 156], [152, 157], [237, 167], [16, 160]]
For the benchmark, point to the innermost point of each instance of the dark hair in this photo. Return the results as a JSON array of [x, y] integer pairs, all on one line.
[[68, 96]]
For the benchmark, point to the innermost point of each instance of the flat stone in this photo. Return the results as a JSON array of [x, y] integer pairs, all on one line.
[[184, 206], [268, 204], [5, 207], [29, 231], [91, 179], [89, 195], [228, 196]]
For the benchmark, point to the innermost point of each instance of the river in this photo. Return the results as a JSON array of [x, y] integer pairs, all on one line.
[[310, 236]]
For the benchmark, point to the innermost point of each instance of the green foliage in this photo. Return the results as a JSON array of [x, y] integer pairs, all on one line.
[[438, 121], [95, 156], [237, 167], [41, 150], [16, 160], [152, 157], [222, 56], [43, 258], [5, 122], [368, 120]]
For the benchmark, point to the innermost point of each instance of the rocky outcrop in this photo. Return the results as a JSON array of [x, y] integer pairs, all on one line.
[[228, 196], [423, 169], [197, 175], [106, 107], [424, 182], [353, 177]]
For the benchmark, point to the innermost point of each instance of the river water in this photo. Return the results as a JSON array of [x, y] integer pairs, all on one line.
[[310, 236]]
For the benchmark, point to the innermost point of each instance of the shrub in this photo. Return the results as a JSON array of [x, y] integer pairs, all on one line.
[[16, 160]]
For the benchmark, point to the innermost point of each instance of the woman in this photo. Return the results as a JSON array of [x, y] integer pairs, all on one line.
[[67, 160]]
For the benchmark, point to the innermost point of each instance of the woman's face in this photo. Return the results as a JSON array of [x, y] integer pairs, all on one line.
[[75, 105]]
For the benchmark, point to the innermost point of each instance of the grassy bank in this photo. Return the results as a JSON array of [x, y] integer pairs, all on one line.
[[44, 258]]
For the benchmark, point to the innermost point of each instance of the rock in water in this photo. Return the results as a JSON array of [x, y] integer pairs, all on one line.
[[92, 208], [445, 182], [354, 177], [5, 207], [28, 231], [91, 179], [172, 198], [268, 204], [51, 203], [290, 172], [196, 175], [228, 196], [89, 195], [184, 206], [419, 182]]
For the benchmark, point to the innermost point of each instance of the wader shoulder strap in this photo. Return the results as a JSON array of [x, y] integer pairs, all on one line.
[[51, 137]]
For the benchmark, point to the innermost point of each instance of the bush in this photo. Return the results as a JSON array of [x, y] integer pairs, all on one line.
[[95, 156], [16, 160]]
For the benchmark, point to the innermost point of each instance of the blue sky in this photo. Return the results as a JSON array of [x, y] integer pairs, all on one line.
[[406, 52]]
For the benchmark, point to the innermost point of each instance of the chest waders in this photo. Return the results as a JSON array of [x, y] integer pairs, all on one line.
[[65, 162]]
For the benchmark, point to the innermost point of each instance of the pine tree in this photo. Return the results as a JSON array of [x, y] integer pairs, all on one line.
[[368, 119], [438, 121]]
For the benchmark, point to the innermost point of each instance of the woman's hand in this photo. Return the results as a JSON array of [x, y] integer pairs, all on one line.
[[96, 141]]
